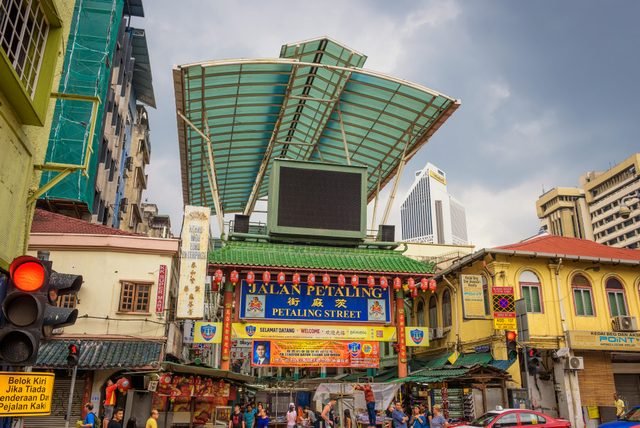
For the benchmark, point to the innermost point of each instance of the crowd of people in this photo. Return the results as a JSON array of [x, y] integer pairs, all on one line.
[[115, 419]]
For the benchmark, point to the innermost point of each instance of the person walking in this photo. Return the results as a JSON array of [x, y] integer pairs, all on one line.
[[90, 419], [249, 416], [348, 422], [619, 404], [418, 418], [152, 422], [399, 417], [118, 416], [263, 417], [438, 420], [236, 420], [328, 415], [313, 420], [370, 399], [292, 416]]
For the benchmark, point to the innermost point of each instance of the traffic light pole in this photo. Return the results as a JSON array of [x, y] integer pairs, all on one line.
[[73, 385], [525, 354]]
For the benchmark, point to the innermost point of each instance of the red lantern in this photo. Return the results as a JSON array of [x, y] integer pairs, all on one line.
[[424, 284], [414, 293], [311, 280], [432, 285], [326, 280], [342, 280], [397, 283], [281, 278], [383, 282], [411, 283], [266, 276], [251, 277], [355, 280], [235, 277], [371, 281], [217, 276], [296, 279]]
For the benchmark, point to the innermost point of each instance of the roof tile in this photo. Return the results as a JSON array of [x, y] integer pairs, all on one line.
[[48, 222]]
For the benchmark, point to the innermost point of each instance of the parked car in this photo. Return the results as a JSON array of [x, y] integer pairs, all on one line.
[[629, 419], [502, 418]]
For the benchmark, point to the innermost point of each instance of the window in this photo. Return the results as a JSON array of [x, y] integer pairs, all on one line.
[[530, 289], [67, 301], [531, 419], [508, 420], [485, 295], [134, 297], [446, 309], [23, 38], [582, 298], [615, 295], [420, 314], [433, 312]]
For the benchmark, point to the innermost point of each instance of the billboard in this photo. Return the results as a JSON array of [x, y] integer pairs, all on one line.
[[473, 304], [315, 353], [304, 302], [193, 262]]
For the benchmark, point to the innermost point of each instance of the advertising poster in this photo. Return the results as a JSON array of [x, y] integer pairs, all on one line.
[[304, 302], [472, 296], [193, 262], [186, 386], [316, 353], [295, 331], [207, 332]]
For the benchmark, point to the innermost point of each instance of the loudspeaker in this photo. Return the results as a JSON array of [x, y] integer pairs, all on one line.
[[386, 233], [241, 223]]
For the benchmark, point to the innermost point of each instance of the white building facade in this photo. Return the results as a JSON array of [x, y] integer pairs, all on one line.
[[429, 214]]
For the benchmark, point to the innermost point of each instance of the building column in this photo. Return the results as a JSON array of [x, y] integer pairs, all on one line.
[[225, 357], [402, 344]]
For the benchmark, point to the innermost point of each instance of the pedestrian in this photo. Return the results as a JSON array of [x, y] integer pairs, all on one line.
[[389, 411], [292, 416], [109, 400], [132, 423], [236, 420], [152, 422], [620, 407], [263, 417], [118, 416], [313, 420], [90, 419], [438, 420], [328, 415], [399, 417], [418, 419], [300, 417], [250, 416], [370, 399], [348, 423]]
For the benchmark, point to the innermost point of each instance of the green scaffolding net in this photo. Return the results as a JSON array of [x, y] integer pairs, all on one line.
[[86, 71]]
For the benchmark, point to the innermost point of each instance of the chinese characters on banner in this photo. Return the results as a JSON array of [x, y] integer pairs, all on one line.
[[504, 309], [315, 353], [250, 330], [162, 282], [193, 262]]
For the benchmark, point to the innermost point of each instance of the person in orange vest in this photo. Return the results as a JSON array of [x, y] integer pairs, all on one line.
[[110, 400], [370, 398]]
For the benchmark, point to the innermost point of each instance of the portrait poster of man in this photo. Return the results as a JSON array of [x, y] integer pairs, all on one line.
[[261, 353]]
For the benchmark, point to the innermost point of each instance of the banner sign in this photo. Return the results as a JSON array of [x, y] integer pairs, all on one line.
[[313, 332], [207, 332], [505, 324], [26, 394], [306, 302], [162, 283], [177, 385], [417, 336], [604, 340], [193, 262], [473, 296], [315, 353]]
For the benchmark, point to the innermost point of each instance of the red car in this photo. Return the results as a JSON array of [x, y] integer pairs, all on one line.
[[503, 418]]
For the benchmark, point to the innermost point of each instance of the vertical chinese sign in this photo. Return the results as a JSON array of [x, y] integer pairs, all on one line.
[[193, 262], [162, 285]]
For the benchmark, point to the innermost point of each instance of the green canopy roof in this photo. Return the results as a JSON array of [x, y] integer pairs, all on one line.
[[312, 103], [259, 254]]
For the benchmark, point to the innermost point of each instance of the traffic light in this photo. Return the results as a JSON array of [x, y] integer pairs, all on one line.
[[534, 360], [60, 284], [512, 346], [74, 355]]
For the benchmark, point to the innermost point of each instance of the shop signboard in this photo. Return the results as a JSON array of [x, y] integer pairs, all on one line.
[[417, 336], [26, 394], [207, 332], [255, 331], [193, 262], [504, 308], [315, 353], [604, 340], [505, 324], [162, 282], [304, 302], [473, 296]]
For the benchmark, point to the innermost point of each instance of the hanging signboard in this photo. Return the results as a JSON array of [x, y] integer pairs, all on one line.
[[162, 282], [193, 262], [315, 353], [313, 332], [417, 336], [207, 332], [604, 340], [272, 301], [473, 295], [504, 308], [26, 394]]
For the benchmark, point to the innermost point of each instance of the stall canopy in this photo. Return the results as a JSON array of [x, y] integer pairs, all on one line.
[[447, 374], [313, 103], [384, 393], [206, 371]]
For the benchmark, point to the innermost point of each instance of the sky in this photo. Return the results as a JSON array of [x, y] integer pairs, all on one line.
[[549, 90]]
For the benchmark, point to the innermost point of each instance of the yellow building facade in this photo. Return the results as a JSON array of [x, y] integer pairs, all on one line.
[[582, 301]]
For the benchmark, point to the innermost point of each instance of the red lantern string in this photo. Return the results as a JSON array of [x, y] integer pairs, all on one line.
[[432, 285], [355, 280], [281, 278], [414, 293], [342, 281], [326, 280], [411, 283], [424, 284], [371, 281], [251, 277], [383, 282], [217, 276], [397, 283], [296, 278], [266, 276], [235, 277], [311, 279]]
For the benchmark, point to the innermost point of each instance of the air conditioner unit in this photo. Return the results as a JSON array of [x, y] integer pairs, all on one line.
[[625, 323], [432, 333], [574, 363], [439, 333]]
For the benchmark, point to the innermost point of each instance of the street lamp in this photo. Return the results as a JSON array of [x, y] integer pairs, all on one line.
[[625, 204]]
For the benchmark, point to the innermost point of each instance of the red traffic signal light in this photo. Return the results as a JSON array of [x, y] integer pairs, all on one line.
[[511, 336], [74, 355], [28, 274]]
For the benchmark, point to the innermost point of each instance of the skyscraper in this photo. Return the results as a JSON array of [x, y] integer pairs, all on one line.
[[429, 214]]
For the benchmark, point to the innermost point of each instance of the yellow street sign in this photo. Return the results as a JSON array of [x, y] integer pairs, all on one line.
[[249, 330], [505, 324], [25, 394]]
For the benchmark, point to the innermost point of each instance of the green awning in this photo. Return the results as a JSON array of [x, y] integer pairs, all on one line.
[[288, 256], [433, 375], [468, 360], [306, 105]]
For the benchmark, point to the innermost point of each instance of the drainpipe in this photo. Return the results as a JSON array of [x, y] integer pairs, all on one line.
[[455, 304]]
